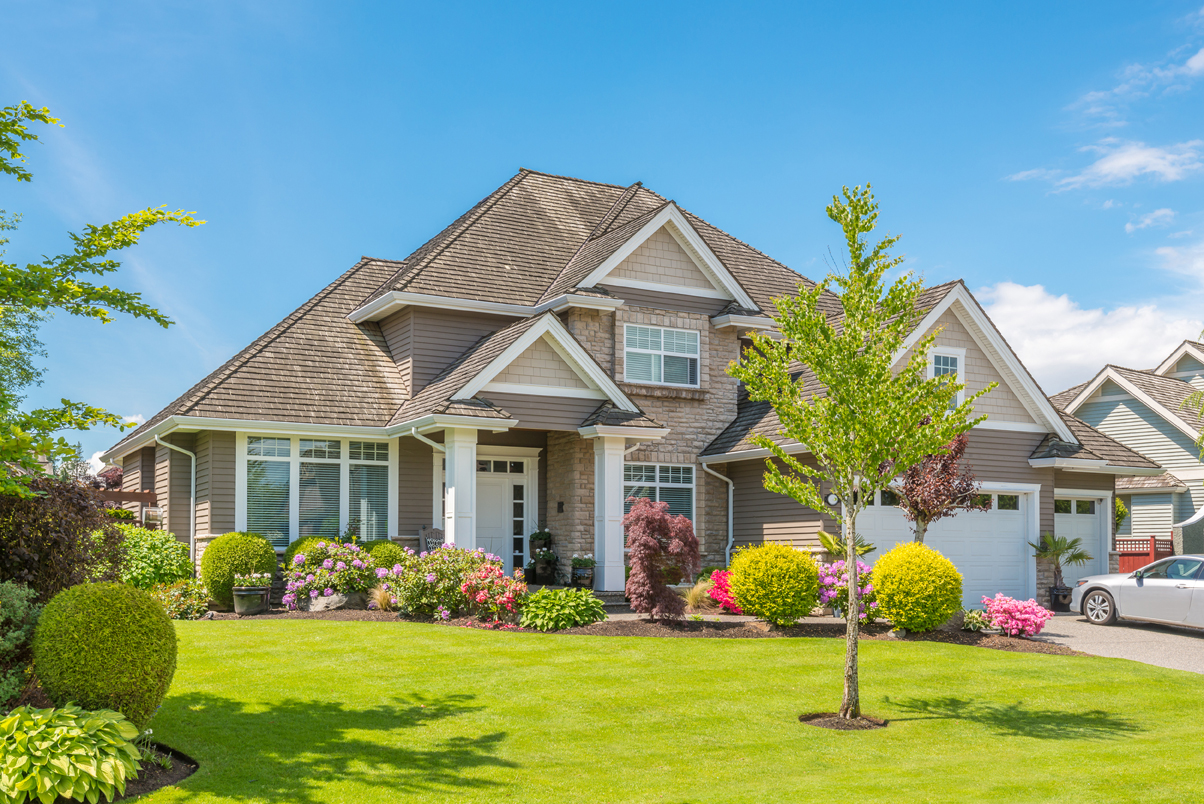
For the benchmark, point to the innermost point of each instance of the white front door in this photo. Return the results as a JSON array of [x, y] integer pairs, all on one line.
[[1082, 519], [492, 520]]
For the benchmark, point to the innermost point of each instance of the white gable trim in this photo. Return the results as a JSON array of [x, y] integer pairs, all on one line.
[[671, 218], [1004, 359], [661, 287], [1141, 396], [559, 339], [1184, 349], [396, 300]]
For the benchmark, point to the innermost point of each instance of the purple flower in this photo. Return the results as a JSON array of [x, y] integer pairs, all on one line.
[[328, 591], [328, 564], [321, 544], [444, 613], [340, 566], [384, 586], [357, 564], [430, 577], [309, 578], [397, 569], [313, 592], [298, 559], [422, 555], [381, 572]]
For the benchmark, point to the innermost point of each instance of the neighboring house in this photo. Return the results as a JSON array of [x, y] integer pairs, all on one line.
[[1144, 409], [558, 349]]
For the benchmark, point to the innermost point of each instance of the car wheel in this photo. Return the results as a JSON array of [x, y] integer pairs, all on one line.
[[1099, 607]]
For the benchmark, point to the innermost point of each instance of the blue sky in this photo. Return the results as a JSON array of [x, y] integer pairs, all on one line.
[[1051, 157]]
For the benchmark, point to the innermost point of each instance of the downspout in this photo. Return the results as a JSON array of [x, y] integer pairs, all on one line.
[[434, 444], [192, 502], [731, 521]]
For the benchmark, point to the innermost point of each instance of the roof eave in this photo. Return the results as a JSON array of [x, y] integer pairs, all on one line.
[[1096, 466]]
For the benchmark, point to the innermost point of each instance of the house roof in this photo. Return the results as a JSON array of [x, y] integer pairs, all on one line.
[[1167, 392], [1093, 445], [1162, 481], [759, 418]]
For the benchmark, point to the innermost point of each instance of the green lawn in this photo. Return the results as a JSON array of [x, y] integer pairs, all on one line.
[[320, 711]]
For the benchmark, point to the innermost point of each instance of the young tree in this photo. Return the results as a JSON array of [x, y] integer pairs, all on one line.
[[656, 541], [874, 419], [937, 487], [31, 291]]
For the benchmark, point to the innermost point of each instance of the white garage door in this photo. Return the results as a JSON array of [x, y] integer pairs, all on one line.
[[1081, 519], [989, 548]]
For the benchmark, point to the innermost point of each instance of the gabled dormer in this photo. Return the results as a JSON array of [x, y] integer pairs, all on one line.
[[1185, 363]]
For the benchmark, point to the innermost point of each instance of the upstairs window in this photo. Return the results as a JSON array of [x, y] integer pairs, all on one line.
[[661, 356], [947, 362]]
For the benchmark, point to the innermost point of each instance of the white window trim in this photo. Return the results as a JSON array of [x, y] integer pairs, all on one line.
[[662, 353], [295, 460], [950, 351], [693, 487]]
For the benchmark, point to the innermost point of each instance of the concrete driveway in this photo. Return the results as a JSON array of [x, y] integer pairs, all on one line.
[[1163, 646]]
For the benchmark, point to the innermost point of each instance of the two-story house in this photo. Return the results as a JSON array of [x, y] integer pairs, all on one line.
[[1147, 410], [555, 351]]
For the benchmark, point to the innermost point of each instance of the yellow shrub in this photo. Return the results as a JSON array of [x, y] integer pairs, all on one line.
[[918, 588], [775, 582]]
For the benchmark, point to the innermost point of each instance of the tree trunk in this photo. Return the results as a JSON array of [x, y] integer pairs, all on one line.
[[921, 529], [850, 707]]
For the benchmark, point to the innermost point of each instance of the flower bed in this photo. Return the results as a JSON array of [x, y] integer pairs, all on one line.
[[834, 589], [1016, 617], [328, 570]]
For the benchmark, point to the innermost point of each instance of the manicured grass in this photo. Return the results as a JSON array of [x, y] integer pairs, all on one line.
[[320, 711]]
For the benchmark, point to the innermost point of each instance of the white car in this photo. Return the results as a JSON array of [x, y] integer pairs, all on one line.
[[1170, 591]]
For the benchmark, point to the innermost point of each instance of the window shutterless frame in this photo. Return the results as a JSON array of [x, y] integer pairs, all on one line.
[[660, 356], [949, 360]]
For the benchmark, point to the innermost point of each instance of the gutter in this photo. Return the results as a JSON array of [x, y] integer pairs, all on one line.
[[731, 520], [192, 504], [433, 444]]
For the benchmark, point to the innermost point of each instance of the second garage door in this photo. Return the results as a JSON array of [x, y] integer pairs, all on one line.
[[989, 548]]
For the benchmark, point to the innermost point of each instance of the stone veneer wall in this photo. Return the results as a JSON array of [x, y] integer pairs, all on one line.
[[570, 481], [694, 417]]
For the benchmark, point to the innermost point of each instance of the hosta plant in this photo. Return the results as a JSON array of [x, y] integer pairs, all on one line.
[[976, 620], [556, 609], [68, 752]]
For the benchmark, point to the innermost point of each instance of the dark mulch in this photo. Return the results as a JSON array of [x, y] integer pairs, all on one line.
[[152, 776], [706, 629], [831, 720]]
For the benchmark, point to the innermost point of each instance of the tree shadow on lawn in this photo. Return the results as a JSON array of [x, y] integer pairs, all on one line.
[[292, 750], [1015, 720]]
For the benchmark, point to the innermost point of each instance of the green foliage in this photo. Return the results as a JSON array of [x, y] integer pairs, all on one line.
[[18, 617], [837, 548], [975, 620], [384, 553], [1061, 550], [183, 600], [775, 582], [106, 646], [230, 554], [152, 557], [60, 282], [57, 539], [68, 752], [304, 546], [557, 609], [918, 588], [120, 513], [1120, 513]]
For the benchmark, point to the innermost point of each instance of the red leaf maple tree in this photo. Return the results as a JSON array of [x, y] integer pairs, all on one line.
[[655, 541], [939, 486]]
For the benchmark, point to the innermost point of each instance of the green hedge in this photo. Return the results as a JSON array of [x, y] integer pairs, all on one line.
[[775, 582], [18, 618], [918, 588], [106, 646], [152, 557], [230, 554], [384, 553]]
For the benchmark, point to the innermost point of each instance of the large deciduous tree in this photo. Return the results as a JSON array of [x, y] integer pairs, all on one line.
[[874, 418], [937, 487], [32, 291]]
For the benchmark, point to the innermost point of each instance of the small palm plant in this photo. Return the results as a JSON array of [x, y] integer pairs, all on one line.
[[836, 547], [1061, 550]]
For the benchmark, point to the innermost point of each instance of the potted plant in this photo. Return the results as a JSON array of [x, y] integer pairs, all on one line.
[[252, 592], [539, 540], [1060, 550], [583, 570], [545, 565]]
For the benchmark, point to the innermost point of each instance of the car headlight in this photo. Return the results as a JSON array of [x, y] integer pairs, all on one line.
[[1080, 583]]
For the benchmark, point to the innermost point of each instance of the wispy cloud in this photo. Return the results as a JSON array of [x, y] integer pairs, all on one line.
[[1184, 260], [1122, 161], [137, 418], [1159, 217], [1139, 81]]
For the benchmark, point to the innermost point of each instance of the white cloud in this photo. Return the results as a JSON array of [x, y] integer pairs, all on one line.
[[1159, 217], [1185, 260], [1110, 204], [95, 464], [1063, 344], [137, 418], [1139, 81], [1121, 162]]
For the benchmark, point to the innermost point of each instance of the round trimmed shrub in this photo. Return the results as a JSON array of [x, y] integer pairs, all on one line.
[[775, 582], [303, 546], [106, 646], [384, 553], [918, 588], [230, 554]]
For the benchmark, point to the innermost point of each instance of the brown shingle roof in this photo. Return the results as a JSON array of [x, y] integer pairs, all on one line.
[[1093, 445], [1166, 391], [1163, 481]]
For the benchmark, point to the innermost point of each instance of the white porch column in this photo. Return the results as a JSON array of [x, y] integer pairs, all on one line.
[[460, 504], [608, 511]]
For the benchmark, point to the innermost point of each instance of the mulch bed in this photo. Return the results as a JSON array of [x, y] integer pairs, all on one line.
[[707, 629], [152, 776], [831, 720]]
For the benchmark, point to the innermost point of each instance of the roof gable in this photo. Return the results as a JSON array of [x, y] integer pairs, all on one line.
[[1163, 396]]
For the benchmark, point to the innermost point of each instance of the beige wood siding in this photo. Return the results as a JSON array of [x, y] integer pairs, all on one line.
[[1084, 480], [173, 483], [656, 300], [397, 330], [541, 365], [415, 467], [441, 336], [1002, 403], [545, 412], [763, 516], [661, 259], [221, 483], [1003, 456], [204, 473]]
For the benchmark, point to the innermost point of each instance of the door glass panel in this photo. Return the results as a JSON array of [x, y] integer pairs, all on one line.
[[499, 466], [516, 467], [1062, 506], [484, 466], [1084, 506], [1009, 502]]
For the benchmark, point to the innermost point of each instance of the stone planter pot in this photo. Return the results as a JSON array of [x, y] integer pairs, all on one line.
[[251, 599], [1059, 598], [351, 600], [545, 572], [583, 577]]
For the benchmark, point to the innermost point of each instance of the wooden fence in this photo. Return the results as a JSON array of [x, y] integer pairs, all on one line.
[[1136, 553]]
